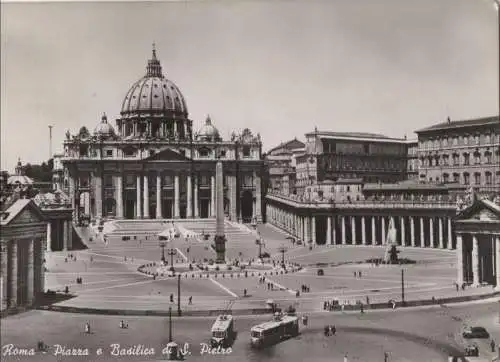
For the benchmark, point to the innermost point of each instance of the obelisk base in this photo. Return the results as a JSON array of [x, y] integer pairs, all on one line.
[[220, 249]]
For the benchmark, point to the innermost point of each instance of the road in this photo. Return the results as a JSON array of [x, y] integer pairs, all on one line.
[[414, 334]]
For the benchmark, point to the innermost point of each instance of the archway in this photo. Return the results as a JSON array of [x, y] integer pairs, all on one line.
[[247, 206]]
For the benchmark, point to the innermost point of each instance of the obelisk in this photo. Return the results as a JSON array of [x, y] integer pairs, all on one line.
[[220, 238]]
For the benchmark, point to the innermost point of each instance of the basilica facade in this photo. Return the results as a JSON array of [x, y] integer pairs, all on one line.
[[155, 164]]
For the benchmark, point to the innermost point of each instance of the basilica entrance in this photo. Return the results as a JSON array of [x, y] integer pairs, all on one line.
[[247, 206], [166, 207], [204, 206]]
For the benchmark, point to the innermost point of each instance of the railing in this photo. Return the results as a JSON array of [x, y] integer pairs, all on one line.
[[384, 204]]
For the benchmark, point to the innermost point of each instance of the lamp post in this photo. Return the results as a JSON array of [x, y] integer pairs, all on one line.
[[282, 250], [171, 253], [170, 324], [162, 246], [403, 286]]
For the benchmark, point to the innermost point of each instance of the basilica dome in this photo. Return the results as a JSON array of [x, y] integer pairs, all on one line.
[[154, 94], [104, 129]]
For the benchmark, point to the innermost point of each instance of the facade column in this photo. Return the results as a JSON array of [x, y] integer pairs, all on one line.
[[212, 196], [258, 197], [412, 231], [383, 230], [196, 210], [13, 274], [460, 260], [334, 230], [422, 233], [440, 226], [146, 197], [328, 230], [72, 196], [4, 273], [353, 230], [306, 231], [431, 232], [313, 229], [342, 221], [374, 234], [450, 235], [49, 236], [98, 194], [30, 277], [176, 195], [69, 225], [138, 206], [403, 231], [65, 235], [189, 211], [497, 260], [119, 197], [159, 213], [476, 280], [363, 230]]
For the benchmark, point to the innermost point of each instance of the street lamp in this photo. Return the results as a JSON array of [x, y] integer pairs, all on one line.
[[282, 250], [171, 253], [162, 246], [170, 324]]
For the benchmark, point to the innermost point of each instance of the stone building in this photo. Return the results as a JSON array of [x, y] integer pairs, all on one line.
[[281, 163], [465, 152], [22, 239], [155, 165], [366, 156]]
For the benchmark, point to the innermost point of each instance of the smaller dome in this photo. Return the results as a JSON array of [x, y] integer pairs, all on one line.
[[104, 128], [208, 132]]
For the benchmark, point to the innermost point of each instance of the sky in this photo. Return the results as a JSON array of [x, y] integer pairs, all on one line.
[[280, 68]]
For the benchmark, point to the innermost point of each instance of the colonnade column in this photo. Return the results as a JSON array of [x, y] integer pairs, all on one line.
[[334, 230], [306, 231], [412, 231], [476, 281], [353, 230], [441, 240], [342, 222], [450, 235], [65, 235], [49, 237], [422, 234], [69, 243], [176, 197], [431, 232], [497, 260], [13, 279], [138, 207], [363, 230], [196, 208], [159, 213], [313, 229], [146, 197], [328, 230], [4, 270], [189, 211], [119, 197], [374, 235], [212, 196], [403, 234], [30, 277], [383, 230], [460, 260]]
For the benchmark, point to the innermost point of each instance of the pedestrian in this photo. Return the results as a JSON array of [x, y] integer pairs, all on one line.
[[345, 358], [171, 298], [190, 300], [492, 345], [359, 273], [87, 328], [327, 331], [333, 330], [354, 274], [361, 309], [367, 300], [244, 292]]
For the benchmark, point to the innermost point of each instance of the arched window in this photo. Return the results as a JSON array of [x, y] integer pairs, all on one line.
[[488, 178], [466, 178], [487, 157], [477, 178], [466, 159]]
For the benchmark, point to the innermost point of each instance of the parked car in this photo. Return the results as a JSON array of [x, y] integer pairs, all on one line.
[[475, 332]]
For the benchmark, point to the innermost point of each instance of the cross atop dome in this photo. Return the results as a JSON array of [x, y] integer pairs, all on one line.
[[154, 66], [104, 118]]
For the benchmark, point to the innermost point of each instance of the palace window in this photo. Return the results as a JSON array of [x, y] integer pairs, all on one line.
[[446, 178], [466, 159], [477, 158], [477, 178], [246, 151], [84, 150], [456, 159], [487, 156], [109, 153], [488, 178], [129, 152], [466, 178], [456, 177], [204, 152], [222, 153], [446, 160]]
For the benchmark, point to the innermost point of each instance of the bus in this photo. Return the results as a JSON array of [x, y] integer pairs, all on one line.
[[223, 331], [272, 332]]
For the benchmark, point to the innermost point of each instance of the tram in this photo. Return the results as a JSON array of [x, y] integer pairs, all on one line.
[[280, 328], [223, 331]]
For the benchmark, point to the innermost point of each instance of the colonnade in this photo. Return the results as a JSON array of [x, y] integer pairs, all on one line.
[[368, 229], [22, 274], [59, 235]]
